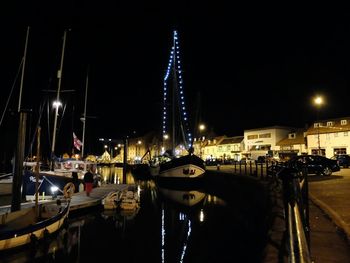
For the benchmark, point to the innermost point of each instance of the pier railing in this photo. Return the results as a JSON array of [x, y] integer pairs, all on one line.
[[296, 208]]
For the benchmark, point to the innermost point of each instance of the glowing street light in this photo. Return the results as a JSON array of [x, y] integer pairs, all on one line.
[[201, 128], [318, 101], [57, 104]]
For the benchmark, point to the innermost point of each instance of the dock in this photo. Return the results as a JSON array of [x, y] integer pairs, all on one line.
[[79, 200]]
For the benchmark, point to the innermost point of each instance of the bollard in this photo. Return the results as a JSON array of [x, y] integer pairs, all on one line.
[[218, 166]]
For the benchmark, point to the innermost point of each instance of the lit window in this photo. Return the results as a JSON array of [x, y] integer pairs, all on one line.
[[343, 122]]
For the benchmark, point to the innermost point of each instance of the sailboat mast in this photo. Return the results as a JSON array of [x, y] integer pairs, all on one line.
[[174, 98], [59, 76], [23, 67], [84, 117]]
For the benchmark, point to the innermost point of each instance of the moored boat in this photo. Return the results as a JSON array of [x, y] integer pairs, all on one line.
[[111, 201], [129, 200], [178, 160], [26, 226]]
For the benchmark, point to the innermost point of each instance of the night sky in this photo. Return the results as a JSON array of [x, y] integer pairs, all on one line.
[[252, 66]]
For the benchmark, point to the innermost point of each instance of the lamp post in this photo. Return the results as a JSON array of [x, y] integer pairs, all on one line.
[[138, 151], [318, 101], [201, 128]]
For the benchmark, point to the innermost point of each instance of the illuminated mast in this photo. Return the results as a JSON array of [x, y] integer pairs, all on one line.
[[174, 66]]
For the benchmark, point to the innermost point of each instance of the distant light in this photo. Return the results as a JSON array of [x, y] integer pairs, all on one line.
[[54, 189], [201, 216], [318, 100], [56, 104]]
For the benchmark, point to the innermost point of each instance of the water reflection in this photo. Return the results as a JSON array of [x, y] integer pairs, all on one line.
[[114, 175], [173, 224]]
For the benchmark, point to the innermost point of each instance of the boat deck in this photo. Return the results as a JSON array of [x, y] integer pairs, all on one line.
[[79, 200]]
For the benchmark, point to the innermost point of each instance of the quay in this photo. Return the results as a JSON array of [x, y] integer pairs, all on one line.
[[79, 200], [329, 217]]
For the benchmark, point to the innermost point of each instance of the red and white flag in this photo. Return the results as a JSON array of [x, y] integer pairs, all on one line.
[[77, 142]]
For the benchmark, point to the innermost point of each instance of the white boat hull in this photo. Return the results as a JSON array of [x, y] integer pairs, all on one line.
[[183, 171]]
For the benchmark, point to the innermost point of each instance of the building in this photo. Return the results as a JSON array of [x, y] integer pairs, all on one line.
[[263, 141], [329, 137], [293, 144], [230, 148], [210, 151]]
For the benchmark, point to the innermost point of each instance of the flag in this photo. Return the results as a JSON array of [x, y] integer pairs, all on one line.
[[77, 142]]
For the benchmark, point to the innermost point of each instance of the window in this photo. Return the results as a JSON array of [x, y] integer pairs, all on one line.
[[252, 137], [220, 149], [339, 151], [343, 122], [316, 124], [291, 136], [345, 133], [315, 151], [329, 123], [265, 135]]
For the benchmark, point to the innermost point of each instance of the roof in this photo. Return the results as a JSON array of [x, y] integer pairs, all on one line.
[[336, 126], [298, 139], [271, 127], [217, 139], [232, 140]]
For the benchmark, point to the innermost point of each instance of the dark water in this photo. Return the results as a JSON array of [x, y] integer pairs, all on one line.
[[215, 220]]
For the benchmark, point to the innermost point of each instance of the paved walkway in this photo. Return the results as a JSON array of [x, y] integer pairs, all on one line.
[[330, 243]]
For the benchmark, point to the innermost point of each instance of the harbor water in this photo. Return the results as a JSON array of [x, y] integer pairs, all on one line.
[[213, 220]]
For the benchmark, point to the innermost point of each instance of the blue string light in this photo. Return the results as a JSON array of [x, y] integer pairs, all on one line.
[[174, 61]]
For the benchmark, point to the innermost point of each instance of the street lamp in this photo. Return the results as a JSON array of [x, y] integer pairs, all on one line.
[[201, 128], [318, 101]]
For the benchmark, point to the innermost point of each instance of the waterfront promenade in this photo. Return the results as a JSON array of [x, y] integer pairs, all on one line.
[[329, 217]]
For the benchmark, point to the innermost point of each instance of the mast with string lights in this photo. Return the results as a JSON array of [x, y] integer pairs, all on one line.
[[174, 66]]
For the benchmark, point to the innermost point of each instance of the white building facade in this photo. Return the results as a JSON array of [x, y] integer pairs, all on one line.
[[329, 137], [263, 141]]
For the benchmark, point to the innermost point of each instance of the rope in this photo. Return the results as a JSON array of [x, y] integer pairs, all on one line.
[[13, 86]]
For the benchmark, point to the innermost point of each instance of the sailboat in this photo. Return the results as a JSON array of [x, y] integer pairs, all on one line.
[[24, 224], [178, 161], [53, 181]]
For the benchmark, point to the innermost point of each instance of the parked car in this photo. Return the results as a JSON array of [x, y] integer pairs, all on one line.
[[246, 160], [342, 159], [315, 164]]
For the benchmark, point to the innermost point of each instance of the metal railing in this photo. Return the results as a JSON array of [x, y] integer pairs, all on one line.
[[296, 208]]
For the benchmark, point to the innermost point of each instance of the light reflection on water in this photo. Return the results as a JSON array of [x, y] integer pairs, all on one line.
[[172, 225], [114, 175]]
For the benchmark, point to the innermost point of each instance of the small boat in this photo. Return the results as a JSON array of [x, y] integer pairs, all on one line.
[[110, 202], [130, 200], [24, 227]]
